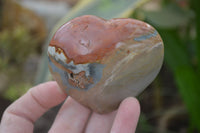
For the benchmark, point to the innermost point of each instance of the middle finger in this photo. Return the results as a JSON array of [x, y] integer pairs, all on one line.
[[71, 118], [100, 123]]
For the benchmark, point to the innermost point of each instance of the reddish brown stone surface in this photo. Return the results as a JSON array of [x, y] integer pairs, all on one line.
[[88, 39]]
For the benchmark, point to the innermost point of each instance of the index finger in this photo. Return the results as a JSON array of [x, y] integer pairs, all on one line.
[[20, 116]]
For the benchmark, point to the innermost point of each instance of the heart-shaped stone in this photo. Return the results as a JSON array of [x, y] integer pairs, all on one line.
[[100, 62]]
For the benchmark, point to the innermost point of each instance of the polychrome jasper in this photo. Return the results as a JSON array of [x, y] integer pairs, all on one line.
[[100, 62]]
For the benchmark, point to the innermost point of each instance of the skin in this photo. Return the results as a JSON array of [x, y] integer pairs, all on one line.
[[20, 116]]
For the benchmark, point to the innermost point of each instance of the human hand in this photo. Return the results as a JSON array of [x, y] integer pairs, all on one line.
[[20, 116]]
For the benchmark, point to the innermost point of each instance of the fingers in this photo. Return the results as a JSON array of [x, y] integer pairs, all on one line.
[[71, 118], [127, 116], [100, 123], [20, 116]]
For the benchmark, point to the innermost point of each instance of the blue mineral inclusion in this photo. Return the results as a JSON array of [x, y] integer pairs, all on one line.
[[144, 37], [95, 72]]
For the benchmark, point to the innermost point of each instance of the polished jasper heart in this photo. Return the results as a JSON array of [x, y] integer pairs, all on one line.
[[100, 62]]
